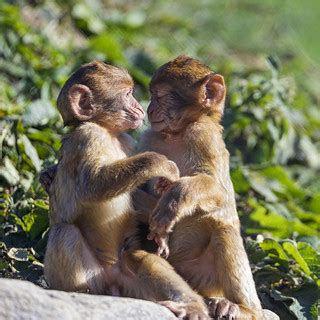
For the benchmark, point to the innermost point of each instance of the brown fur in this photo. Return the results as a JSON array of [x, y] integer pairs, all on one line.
[[92, 243], [205, 244]]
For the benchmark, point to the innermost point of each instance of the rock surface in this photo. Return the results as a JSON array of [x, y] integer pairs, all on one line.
[[22, 300]]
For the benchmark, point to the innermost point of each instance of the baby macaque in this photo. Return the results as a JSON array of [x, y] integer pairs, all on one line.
[[92, 243], [195, 222]]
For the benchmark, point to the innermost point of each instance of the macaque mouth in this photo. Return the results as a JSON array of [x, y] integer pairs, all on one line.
[[158, 121], [138, 113]]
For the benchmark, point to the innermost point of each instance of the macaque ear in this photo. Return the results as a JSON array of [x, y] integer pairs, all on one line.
[[80, 99], [213, 91]]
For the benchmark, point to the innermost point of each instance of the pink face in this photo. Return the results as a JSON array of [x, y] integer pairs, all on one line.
[[131, 112]]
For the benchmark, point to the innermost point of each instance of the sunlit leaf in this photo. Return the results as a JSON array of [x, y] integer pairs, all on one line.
[[9, 172], [19, 254], [39, 112], [274, 249], [293, 251], [31, 152]]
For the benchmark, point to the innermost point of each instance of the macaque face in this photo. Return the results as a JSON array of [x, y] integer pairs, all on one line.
[[182, 91], [168, 110], [125, 110], [100, 93]]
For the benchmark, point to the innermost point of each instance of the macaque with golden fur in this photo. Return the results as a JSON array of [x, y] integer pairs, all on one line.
[[195, 222], [92, 243]]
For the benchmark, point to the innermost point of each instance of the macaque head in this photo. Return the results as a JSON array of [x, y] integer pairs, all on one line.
[[183, 90], [100, 93]]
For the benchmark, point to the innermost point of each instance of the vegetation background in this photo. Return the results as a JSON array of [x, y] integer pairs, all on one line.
[[268, 52]]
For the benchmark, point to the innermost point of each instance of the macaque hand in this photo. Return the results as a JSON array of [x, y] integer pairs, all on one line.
[[162, 185], [171, 171], [47, 176], [161, 223]]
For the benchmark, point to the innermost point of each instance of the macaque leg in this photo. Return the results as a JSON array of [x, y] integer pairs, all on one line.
[[69, 263], [150, 277], [219, 271], [232, 270]]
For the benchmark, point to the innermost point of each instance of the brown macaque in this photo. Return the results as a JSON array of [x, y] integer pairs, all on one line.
[[92, 245], [195, 222]]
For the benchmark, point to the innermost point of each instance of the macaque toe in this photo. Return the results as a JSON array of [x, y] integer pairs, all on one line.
[[221, 307], [183, 310]]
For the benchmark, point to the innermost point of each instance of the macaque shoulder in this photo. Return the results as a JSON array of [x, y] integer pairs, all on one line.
[[86, 141], [205, 133]]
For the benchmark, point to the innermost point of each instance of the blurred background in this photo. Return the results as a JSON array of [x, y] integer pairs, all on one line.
[[269, 53]]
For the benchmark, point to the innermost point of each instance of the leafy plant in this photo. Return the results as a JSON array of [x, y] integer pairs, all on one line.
[[271, 121]]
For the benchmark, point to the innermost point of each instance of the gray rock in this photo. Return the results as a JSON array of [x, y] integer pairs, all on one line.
[[22, 300], [269, 315]]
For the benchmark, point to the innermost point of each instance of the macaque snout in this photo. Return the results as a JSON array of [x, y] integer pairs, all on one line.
[[137, 116], [139, 112]]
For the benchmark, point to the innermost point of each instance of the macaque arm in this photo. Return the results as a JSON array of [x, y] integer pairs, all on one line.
[[202, 190], [110, 180], [182, 198], [188, 193]]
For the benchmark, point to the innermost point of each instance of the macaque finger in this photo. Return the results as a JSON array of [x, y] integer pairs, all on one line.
[[178, 308], [151, 235], [163, 249], [222, 308]]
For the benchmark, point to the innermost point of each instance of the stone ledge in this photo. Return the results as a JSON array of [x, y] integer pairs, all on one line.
[[22, 300]]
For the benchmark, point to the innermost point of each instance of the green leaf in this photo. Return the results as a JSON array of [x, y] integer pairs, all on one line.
[[274, 250], [311, 256], [31, 152], [39, 113], [35, 223], [278, 175], [239, 180], [9, 172], [315, 203], [109, 46], [292, 304], [3, 264], [261, 185], [18, 254], [292, 250]]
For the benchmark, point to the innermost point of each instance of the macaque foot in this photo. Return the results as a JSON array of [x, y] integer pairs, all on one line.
[[115, 291], [184, 310], [221, 307], [162, 185]]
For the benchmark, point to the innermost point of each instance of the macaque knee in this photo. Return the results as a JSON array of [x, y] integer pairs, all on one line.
[[69, 264]]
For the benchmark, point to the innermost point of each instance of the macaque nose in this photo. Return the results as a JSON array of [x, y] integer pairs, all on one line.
[[151, 108], [141, 111]]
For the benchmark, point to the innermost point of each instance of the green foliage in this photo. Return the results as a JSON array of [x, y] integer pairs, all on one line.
[[272, 125]]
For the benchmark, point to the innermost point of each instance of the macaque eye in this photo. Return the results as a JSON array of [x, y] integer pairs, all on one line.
[[129, 93]]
